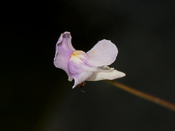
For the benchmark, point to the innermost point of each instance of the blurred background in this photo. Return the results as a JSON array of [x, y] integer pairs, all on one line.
[[36, 96]]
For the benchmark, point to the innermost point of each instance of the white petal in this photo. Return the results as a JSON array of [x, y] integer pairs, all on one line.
[[103, 53], [106, 74]]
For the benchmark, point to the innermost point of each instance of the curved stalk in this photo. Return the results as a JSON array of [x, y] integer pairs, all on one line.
[[143, 95]]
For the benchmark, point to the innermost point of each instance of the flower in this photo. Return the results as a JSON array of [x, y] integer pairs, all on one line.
[[90, 66]]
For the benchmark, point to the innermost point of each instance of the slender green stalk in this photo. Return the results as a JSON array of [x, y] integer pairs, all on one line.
[[143, 95]]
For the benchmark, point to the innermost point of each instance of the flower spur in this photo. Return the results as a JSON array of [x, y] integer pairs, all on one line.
[[90, 66]]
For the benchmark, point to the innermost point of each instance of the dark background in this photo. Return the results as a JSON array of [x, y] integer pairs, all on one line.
[[36, 96]]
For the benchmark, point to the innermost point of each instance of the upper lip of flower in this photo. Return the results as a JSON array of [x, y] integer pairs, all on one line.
[[81, 66]]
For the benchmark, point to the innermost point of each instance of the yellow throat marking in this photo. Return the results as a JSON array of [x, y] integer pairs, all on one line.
[[76, 55]]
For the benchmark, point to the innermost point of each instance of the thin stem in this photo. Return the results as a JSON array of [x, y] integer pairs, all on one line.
[[143, 95]]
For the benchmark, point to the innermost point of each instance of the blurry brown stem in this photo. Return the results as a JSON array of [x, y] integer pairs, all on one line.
[[143, 95]]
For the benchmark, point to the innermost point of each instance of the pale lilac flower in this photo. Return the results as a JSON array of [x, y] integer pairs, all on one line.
[[90, 66]]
